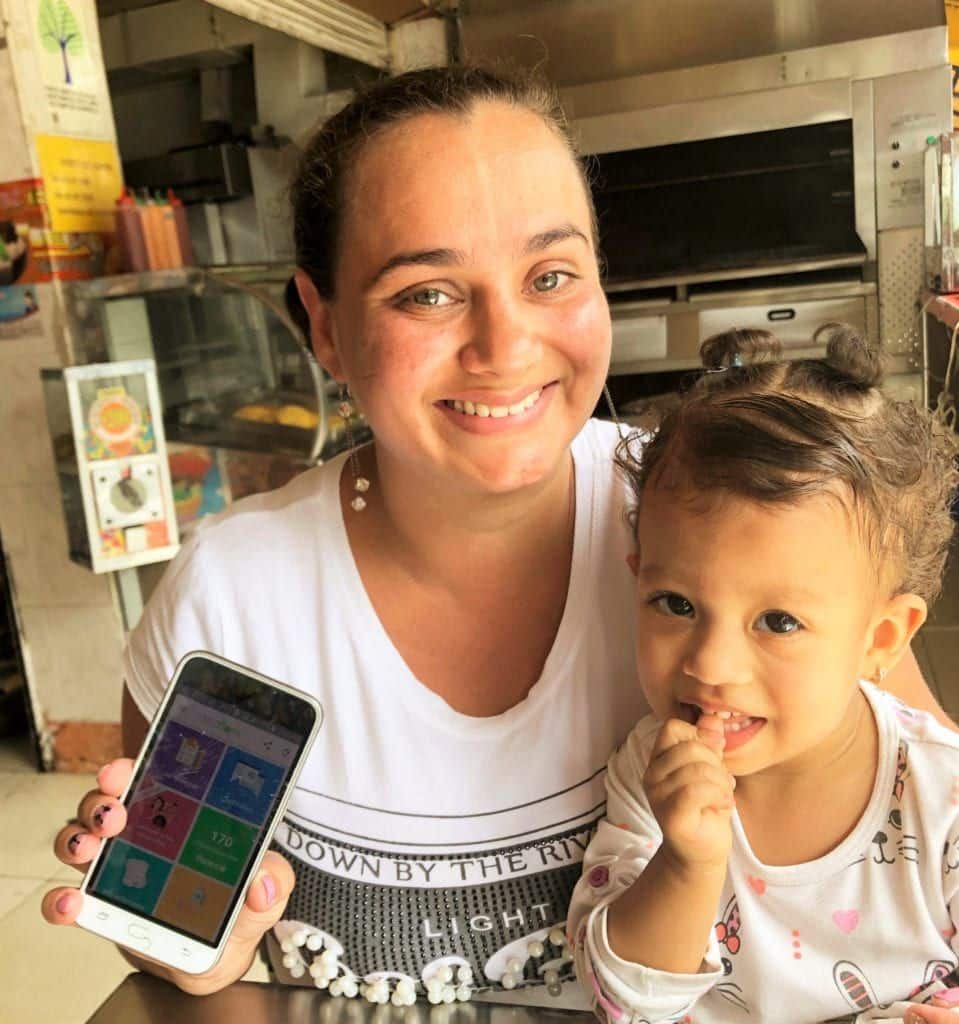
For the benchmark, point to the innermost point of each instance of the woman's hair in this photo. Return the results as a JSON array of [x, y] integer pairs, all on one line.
[[319, 188], [776, 432]]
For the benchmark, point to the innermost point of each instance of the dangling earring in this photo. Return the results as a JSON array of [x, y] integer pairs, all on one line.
[[360, 483], [879, 676]]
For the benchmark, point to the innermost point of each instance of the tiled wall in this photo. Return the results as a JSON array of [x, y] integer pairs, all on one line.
[[70, 628]]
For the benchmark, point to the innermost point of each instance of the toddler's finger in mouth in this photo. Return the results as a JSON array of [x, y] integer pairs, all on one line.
[[711, 730]]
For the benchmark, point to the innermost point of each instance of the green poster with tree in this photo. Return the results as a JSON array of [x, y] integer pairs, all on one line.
[[59, 30]]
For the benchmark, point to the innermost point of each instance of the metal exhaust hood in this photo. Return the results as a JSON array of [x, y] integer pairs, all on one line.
[[582, 41]]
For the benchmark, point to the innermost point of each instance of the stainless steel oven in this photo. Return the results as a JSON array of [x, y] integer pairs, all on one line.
[[754, 163]]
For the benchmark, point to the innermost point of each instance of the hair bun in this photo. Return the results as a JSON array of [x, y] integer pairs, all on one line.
[[738, 347], [852, 361]]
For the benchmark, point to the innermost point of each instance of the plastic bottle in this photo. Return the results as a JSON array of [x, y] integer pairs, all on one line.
[[130, 233], [168, 234], [182, 228], [147, 212]]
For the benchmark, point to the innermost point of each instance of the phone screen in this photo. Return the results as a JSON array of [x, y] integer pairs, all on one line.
[[216, 768]]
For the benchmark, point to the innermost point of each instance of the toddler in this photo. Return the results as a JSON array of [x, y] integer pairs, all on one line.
[[781, 840]]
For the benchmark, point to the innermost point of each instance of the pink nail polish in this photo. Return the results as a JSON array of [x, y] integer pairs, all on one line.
[[949, 995], [63, 903], [269, 890]]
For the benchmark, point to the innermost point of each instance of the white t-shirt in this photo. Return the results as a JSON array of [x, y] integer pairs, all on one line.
[[417, 833], [859, 931]]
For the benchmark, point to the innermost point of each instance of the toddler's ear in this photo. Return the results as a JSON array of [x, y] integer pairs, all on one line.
[[891, 631]]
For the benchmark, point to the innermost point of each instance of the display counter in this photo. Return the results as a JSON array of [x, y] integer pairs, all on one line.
[[143, 999]]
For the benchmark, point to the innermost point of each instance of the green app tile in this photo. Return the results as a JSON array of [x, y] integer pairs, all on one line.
[[218, 846]]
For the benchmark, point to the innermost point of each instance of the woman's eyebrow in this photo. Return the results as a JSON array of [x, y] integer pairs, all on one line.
[[447, 257], [420, 257], [544, 239]]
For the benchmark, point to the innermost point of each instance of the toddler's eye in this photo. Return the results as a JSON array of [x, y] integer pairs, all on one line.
[[673, 604], [778, 622]]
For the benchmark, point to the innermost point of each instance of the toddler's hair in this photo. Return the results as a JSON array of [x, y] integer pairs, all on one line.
[[758, 427]]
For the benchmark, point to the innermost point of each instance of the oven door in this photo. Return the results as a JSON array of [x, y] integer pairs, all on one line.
[[755, 204]]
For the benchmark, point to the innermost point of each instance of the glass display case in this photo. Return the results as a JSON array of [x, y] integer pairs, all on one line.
[[245, 405]]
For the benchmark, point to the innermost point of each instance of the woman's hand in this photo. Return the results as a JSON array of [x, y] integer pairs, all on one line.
[[942, 1009], [100, 816], [691, 793]]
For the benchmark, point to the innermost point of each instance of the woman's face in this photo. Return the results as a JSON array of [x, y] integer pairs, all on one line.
[[469, 318]]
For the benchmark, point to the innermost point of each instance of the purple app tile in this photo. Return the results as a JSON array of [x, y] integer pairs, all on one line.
[[185, 759]]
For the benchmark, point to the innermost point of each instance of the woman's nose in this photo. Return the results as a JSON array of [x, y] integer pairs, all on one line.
[[718, 657], [503, 340]]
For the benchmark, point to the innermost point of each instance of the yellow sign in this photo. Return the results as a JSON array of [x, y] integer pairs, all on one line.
[[82, 182]]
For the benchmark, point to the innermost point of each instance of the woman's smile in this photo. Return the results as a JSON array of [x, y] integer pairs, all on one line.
[[488, 413]]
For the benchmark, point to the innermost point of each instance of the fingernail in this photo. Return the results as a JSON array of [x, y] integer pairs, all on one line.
[[100, 813], [104, 769], [269, 890], [73, 843], [63, 903], [950, 996]]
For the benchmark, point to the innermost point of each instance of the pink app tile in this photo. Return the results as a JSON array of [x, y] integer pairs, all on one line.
[[159, 818]]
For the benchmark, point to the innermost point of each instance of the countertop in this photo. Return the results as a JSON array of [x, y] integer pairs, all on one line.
[[143, 999]]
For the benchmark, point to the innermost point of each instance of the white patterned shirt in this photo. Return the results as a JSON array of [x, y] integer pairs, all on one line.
[[870, 924]]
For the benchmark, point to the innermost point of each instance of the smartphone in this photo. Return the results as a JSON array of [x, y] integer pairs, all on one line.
[[210, 785]]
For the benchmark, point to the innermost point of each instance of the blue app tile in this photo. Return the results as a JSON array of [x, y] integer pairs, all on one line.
[[245, 785], [132, 876]]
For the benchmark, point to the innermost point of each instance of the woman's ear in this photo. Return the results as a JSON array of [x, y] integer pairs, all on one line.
[[891, 632], [322, 333]]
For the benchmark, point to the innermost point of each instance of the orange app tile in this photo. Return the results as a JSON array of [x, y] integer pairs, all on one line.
[[193, 903]]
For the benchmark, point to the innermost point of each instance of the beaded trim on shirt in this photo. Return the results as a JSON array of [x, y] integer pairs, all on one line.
[[308, 950]]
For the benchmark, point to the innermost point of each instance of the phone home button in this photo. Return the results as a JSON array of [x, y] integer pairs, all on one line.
[[138, 934]]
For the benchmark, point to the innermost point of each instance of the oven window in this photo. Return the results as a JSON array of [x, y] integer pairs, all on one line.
[[764, 199]]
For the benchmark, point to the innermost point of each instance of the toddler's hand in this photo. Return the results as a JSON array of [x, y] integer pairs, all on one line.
[[691, 793]]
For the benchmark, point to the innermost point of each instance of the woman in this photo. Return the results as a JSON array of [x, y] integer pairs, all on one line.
[[468, 630]]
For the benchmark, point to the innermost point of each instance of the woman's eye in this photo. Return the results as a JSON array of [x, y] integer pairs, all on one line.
[[673, 604], [550, 281], [778, 622], [428, 297]]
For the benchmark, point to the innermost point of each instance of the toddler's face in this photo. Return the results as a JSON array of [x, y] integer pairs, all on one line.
[[762, 613]]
